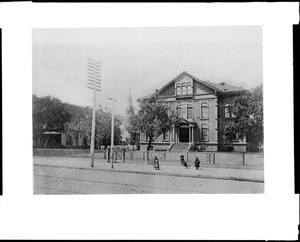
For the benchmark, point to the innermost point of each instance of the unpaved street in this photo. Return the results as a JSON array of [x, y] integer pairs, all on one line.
[[62, 180]]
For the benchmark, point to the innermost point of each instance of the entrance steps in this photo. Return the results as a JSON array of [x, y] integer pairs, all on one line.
[[182, 147]]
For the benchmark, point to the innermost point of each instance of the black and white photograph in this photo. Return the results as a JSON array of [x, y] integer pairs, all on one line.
[[148, 121], [148, 110]]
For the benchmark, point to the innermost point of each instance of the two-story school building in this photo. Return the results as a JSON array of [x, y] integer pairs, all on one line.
[[203, 111]]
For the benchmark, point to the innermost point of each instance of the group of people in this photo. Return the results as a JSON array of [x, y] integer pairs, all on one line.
[[186, 164], [182, 161]]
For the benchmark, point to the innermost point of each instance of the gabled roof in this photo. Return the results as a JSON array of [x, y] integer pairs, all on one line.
[[221, 88], [190, 76], [224, 87], [147, 97]]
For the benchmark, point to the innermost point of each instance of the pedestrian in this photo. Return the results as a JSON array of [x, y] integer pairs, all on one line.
[[197, 163], [156, 163], [183, 162]]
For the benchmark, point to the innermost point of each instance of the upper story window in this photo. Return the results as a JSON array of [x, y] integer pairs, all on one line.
[[178, 89], [189, 110], [204, 132], [189, 89], [228, 113], [179, 111], [230, 134], [204, 110], [184, 89]]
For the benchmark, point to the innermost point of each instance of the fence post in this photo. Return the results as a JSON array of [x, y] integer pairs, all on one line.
[[108, 155], [214, 158], [243, 159], [143, 155], [123, 155]]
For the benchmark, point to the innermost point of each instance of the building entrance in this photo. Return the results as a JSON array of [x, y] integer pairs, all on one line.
[[184, 135]]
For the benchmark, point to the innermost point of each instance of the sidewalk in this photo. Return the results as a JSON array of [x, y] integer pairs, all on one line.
[[142, 168]]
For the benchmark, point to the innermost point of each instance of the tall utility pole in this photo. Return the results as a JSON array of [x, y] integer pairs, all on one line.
[[94, 83], [112, 132]]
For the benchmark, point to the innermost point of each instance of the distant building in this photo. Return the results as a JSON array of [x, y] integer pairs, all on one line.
[[203, 111]]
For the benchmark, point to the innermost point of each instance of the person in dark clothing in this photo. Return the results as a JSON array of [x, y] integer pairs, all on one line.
[[156, 163], [197, 163], [183, 162]]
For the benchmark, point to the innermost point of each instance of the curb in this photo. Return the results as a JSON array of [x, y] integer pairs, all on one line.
[[160, 174]]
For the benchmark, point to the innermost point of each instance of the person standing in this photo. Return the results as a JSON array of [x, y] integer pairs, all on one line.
[[156, 163], [197, 163]]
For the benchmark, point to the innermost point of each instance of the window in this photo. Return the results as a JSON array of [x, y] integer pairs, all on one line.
[[204, 132], [227, 114], [204, 110], [189, 89], [147, 137], [189, 111], [178, 110], [183, 88], [168, 108], [178, 89], [166, 135], [230, 134]]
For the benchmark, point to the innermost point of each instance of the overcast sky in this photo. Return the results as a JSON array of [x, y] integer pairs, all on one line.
[[143, 58]]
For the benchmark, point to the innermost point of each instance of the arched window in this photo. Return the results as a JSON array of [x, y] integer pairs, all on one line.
[[189, 110], [204, 110], [178, 111], [204, 132]]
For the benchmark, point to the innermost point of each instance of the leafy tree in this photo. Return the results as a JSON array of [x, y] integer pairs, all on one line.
[[49, 114], [152, 119], [248, 121], [134, 135], [81, 125]]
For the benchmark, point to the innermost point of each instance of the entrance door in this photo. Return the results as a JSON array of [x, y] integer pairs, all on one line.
[[184, 134]]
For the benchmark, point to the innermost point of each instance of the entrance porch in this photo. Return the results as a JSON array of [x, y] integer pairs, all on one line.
[[184, 132]]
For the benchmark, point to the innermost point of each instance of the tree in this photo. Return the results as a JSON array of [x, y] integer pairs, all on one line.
[[81, 125], [103, 128], [48, 114], [248, 113], [152, 119]]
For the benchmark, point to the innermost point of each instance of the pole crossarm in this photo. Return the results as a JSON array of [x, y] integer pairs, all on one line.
[[94, 83]]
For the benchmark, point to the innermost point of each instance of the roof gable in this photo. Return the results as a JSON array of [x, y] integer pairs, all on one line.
[[221, 88], [188, 76]]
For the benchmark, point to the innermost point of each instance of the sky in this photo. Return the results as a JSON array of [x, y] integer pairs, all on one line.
[[142, 59]]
